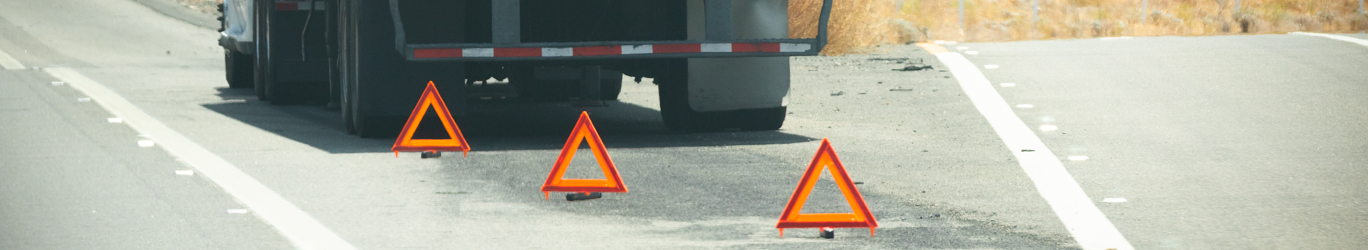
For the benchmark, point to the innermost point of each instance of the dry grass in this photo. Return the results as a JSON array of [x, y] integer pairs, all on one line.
[[854, 24], [858, 24]]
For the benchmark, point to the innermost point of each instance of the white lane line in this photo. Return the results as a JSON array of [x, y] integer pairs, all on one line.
[[1081, 217], [299, 227], [1336, 37], [8, 63]]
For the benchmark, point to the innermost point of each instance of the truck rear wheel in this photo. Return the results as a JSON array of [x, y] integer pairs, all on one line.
[[284, 75], [260, 59], [238, 69], [761, 119], [675, 109], [679, 115], [611, 85], [382, 87]]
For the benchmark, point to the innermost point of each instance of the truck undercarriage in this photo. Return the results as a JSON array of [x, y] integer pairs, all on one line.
[[719, 64]]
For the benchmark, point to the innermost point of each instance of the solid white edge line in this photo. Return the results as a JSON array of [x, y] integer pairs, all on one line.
[[8, 63], [299, 227], [1081, 217], [1336, 37]]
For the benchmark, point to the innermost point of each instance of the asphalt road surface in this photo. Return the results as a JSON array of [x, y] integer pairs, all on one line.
[[1234, 142], [1213, 142]]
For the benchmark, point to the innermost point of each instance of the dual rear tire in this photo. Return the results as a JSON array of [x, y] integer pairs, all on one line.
[[379, 88]]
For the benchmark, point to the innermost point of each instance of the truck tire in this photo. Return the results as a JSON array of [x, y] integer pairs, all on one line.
[[284, 77], [675, 110], [345, 48], [382, 86], [611, 85], [238, 69], [261, 60], [678, 115], [760, 119]]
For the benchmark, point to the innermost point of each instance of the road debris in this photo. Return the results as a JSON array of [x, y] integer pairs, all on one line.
[[916, 66], [837, 93]]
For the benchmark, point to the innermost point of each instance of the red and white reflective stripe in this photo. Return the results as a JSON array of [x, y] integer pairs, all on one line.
[[298, 5], [614, 50]]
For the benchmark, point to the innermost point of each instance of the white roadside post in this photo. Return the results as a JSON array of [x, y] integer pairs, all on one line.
[[961, 18]]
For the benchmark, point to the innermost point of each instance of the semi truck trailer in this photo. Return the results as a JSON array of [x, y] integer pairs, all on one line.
[[718, 64]]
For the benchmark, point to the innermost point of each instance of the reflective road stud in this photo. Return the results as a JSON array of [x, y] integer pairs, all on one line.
[[860, 215], [583, 188], [430, 147]]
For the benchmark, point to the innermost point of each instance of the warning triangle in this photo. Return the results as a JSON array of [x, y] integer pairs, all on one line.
[[406, 143], [584, 131], [859, 217]]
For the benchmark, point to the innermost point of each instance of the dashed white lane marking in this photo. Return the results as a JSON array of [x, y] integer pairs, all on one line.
[[8, 63], [185, 172], [1114, 200], [1008, 84], [1024, 106], [1336, 37], [299, 227], [115, 120], [1081, 217], [1048, 128]]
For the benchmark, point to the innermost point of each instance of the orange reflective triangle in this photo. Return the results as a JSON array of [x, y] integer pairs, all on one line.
[[859, 217], [584, 130], [406, 143]]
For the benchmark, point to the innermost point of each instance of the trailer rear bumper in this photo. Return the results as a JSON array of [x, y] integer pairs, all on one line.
[[610, 50], [506, 44]]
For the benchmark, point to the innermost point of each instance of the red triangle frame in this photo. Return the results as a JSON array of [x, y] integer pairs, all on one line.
[[859, 217], [584, 130], [406, 143]]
